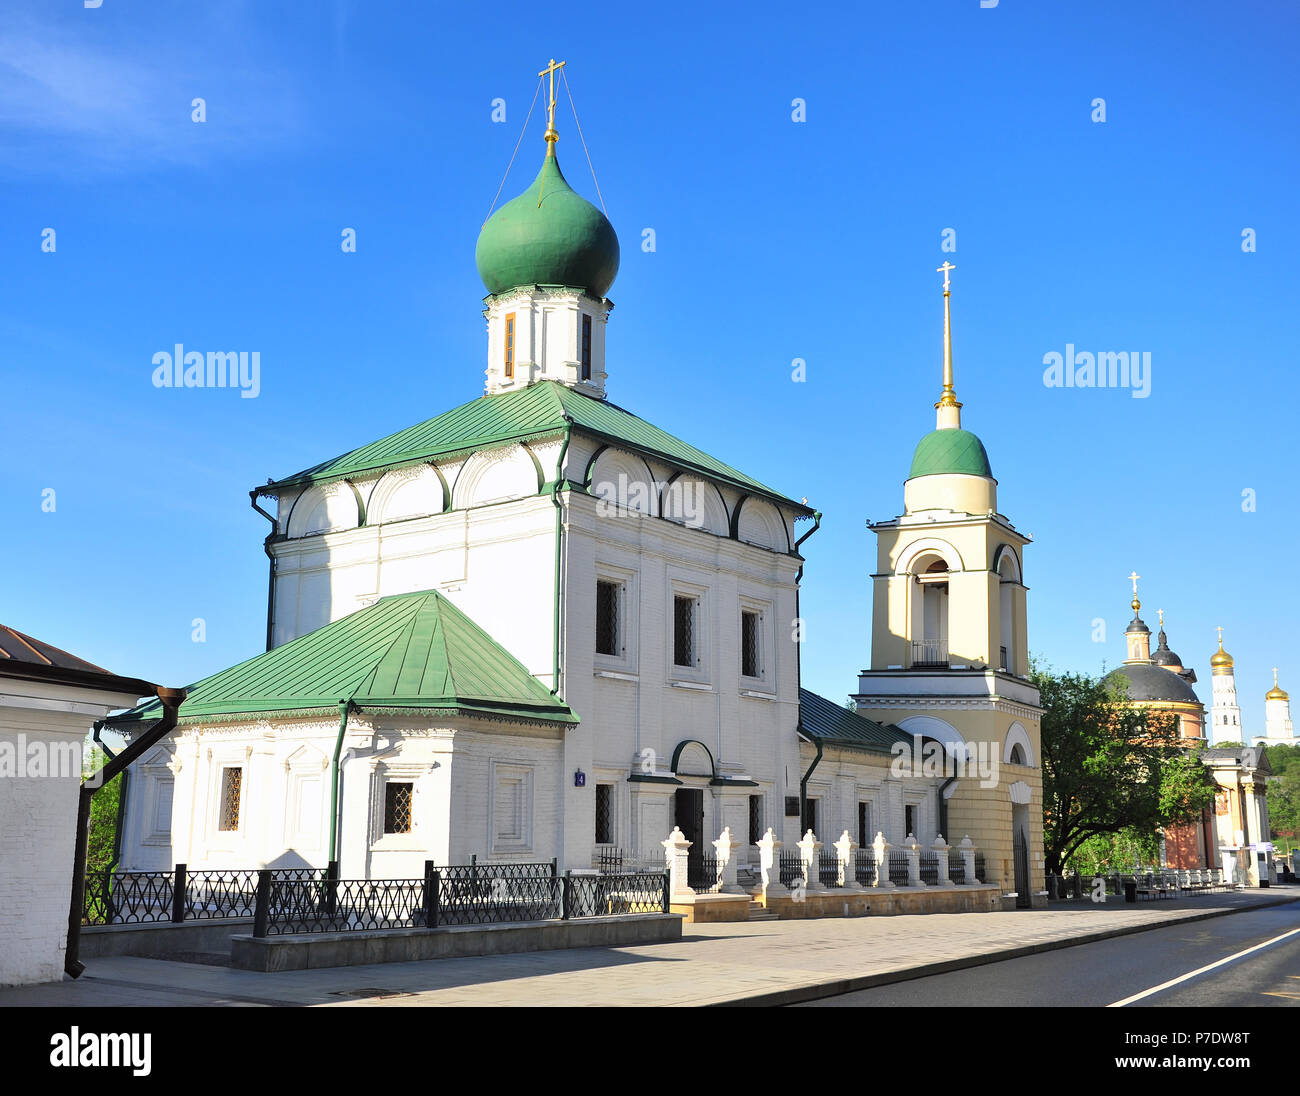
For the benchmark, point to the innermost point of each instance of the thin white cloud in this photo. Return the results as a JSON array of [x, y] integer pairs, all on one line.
[[72, 104]]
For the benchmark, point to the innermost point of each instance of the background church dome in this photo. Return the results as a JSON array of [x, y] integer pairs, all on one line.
[[549, 235], [1163, 656], [1221, 660], [1147, 682], [950, 452]]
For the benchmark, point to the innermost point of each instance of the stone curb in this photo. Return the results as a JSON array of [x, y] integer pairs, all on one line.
[[798, 994]]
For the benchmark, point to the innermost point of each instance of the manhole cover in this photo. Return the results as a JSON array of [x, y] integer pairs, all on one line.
[[370, 991]]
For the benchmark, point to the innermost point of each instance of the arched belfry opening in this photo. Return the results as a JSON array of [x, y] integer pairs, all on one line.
[[930, 635]]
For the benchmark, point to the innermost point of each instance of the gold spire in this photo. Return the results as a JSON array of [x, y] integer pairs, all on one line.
[[1220, 661], [1276, 692], [551, 135], [1161, 614], [1135, 603], [948, 408]]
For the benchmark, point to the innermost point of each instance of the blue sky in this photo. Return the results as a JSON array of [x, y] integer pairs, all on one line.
[[775, 240]]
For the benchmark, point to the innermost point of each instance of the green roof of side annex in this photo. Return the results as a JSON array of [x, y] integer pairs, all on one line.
[[406, 651]]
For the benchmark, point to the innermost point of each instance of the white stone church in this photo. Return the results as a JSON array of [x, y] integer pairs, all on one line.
[[538, 626]]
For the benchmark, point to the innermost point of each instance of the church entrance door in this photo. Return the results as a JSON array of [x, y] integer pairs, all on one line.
[[689, 818]]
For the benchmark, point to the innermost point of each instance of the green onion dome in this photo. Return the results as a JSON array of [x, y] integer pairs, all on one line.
[[549, 235], [950, 452]]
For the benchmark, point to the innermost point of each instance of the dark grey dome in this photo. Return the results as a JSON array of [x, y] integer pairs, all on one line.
[[1163, 656], [1145, 681]]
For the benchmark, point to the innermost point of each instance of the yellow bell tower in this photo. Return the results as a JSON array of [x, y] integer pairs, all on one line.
[[949, 645]]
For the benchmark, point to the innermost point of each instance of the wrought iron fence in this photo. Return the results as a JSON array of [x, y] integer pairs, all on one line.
[[143, 897], [956, 866], [704, 875], [480, 894], [980, 873], [613, 895], [615, 861], [864, 867], [828, 867], [128, 898], [898, 869], [463, 894], [791, 866], [930, 869]]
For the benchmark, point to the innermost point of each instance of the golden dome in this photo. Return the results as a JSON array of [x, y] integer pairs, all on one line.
[[1220, 660], [1276, 692]]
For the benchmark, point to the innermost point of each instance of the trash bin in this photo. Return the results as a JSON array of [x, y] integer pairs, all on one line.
[[1130, 890]]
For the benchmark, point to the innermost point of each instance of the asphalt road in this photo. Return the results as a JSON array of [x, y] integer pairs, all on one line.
[[1110, 971]]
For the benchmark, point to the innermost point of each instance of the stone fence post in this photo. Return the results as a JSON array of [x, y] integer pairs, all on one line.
[[912, 847], [968, 860], [940, 848], [769, 850], [675, 860], [808, 850], [844, 849], [725, 849], [880, 849]]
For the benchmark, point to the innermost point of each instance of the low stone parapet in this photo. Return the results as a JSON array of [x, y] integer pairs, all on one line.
[[875, 902], [710, 908], [346, 949]]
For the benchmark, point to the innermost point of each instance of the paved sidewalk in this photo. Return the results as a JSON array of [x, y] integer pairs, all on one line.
[[770, 962]]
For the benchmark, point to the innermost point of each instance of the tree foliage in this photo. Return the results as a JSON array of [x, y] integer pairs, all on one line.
[[103, 817], [1109, 768], [1283, 791]]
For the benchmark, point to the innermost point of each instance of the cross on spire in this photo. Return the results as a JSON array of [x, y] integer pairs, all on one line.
[[1161, 614], [948, 407], [1134, 579], [1219, 629], [551, 70], [947, 266]]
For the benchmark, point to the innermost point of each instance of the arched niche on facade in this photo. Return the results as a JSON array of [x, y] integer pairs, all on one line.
[[496, 475], [692, 758], [413, 492], [325, 508], [697, 503], [760, 523], [623, 481], [954, 743], [1017, 745]]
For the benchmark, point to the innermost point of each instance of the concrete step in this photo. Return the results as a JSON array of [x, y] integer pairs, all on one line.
[[759, 912]]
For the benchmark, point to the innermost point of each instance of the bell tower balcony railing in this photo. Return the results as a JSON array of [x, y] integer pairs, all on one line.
[[929, 653]]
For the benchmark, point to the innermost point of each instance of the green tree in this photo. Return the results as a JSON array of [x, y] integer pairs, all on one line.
[[103, 817], [1283, 792], [1109, 768]]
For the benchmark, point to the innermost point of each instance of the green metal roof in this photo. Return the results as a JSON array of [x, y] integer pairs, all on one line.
[[824, 721], [947, 452], [535, 411], [549, 235], [414, 651]]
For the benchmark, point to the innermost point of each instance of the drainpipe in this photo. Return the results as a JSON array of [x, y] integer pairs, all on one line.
[[943, 810], [121, 796], [803, 790], [798, 676], [344, 707], [559, 533], [270, 559], [171, 702]]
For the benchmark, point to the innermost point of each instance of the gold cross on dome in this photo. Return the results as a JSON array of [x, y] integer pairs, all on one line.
[[551, 70], [1219, 629], [1161, 614], [1134, 579], [947, 266]]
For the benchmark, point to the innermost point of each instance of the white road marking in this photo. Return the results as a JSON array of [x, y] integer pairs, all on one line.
[[1200, 970]]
